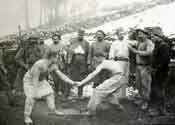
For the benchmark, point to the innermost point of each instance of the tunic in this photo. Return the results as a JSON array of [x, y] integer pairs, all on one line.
[[143, 69], [99, 51]]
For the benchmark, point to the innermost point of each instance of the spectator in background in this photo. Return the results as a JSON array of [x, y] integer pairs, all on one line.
[[160, 61], [43, 47], [78, 58], [25, 58], [143, 53], [58, 47], [99, 51], [120, 51]]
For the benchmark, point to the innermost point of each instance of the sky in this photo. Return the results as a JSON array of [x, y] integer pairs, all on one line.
[[12, 12]]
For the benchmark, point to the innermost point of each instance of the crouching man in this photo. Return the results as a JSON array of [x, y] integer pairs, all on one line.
[[36, 85], [119, 69]]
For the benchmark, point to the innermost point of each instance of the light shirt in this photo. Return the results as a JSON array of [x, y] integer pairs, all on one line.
[[79, 50], [114, 66], [119, 49]]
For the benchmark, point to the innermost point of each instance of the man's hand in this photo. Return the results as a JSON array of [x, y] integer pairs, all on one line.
[[133, 49], [78, 84]]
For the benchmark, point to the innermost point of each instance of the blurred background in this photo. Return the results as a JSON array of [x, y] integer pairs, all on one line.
[[34, 13]]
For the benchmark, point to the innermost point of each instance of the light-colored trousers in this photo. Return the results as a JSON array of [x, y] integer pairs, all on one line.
[[37, 91], [143, 81], [105, 90]]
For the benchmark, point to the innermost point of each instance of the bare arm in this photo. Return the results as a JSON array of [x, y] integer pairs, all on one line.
[[91, 75], [148, 51], [63, 76]]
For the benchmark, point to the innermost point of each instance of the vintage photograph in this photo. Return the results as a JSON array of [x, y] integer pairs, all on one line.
[[87, 62]]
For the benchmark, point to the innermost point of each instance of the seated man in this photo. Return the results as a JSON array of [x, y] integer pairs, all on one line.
[[119, 69], [36, 85]]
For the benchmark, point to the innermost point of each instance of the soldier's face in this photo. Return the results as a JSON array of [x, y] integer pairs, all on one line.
[[155, 39], [120, 36], [141, 36], [100, 36], [55, 40], [80, 36]]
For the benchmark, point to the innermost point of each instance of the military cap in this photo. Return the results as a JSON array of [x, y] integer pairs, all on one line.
[[101, 31], [143, 31]]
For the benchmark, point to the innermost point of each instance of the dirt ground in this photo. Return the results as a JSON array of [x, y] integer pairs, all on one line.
[[108, 115]]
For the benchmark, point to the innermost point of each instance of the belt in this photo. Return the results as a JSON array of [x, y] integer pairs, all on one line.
[[121, 59], [79, 54]]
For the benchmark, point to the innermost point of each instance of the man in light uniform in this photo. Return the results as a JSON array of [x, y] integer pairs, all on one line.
[[119, 50], [119, 68], [36, 85]]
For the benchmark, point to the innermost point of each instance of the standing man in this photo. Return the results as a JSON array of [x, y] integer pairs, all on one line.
[[120, 50], [25, 58], [43, 47], [161, 59], [78, 58], [58, 47], [143, 53], [99, 51]]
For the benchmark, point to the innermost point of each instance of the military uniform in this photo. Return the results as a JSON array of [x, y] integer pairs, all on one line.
[[25, 58], [161, 59], [78, 60], [59, 84], [143, 69], [99, 51]]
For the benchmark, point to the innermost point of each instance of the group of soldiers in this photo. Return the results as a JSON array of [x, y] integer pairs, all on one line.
[[76, 59], [150, 54]]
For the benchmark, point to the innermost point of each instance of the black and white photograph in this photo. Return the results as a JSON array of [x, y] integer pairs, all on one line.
[[87, 62]]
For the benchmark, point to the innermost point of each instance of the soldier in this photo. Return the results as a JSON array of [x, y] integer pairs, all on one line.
[[143, 53], [119, 50], [99, 51], [36, 85], [160, 61], [58, 47], [78, 58], [25, 58], [119, 69], [43, 47]]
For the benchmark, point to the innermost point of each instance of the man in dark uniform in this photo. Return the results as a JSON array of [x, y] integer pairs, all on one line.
[[78, 58], [25, 58], [99, 51], [58, 47], [161, 59]]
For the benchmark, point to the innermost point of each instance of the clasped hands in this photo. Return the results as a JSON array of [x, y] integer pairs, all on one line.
[[77, 83]]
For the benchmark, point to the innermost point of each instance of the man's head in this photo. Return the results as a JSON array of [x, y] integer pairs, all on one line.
[[52, 56], [141, 35], [56, 38], [33, 40], [81, 33], [41, 41], [120, 33], [100, 34], [157, 35]]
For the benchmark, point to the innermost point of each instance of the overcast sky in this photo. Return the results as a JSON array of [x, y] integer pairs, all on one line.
[[12, 11]]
